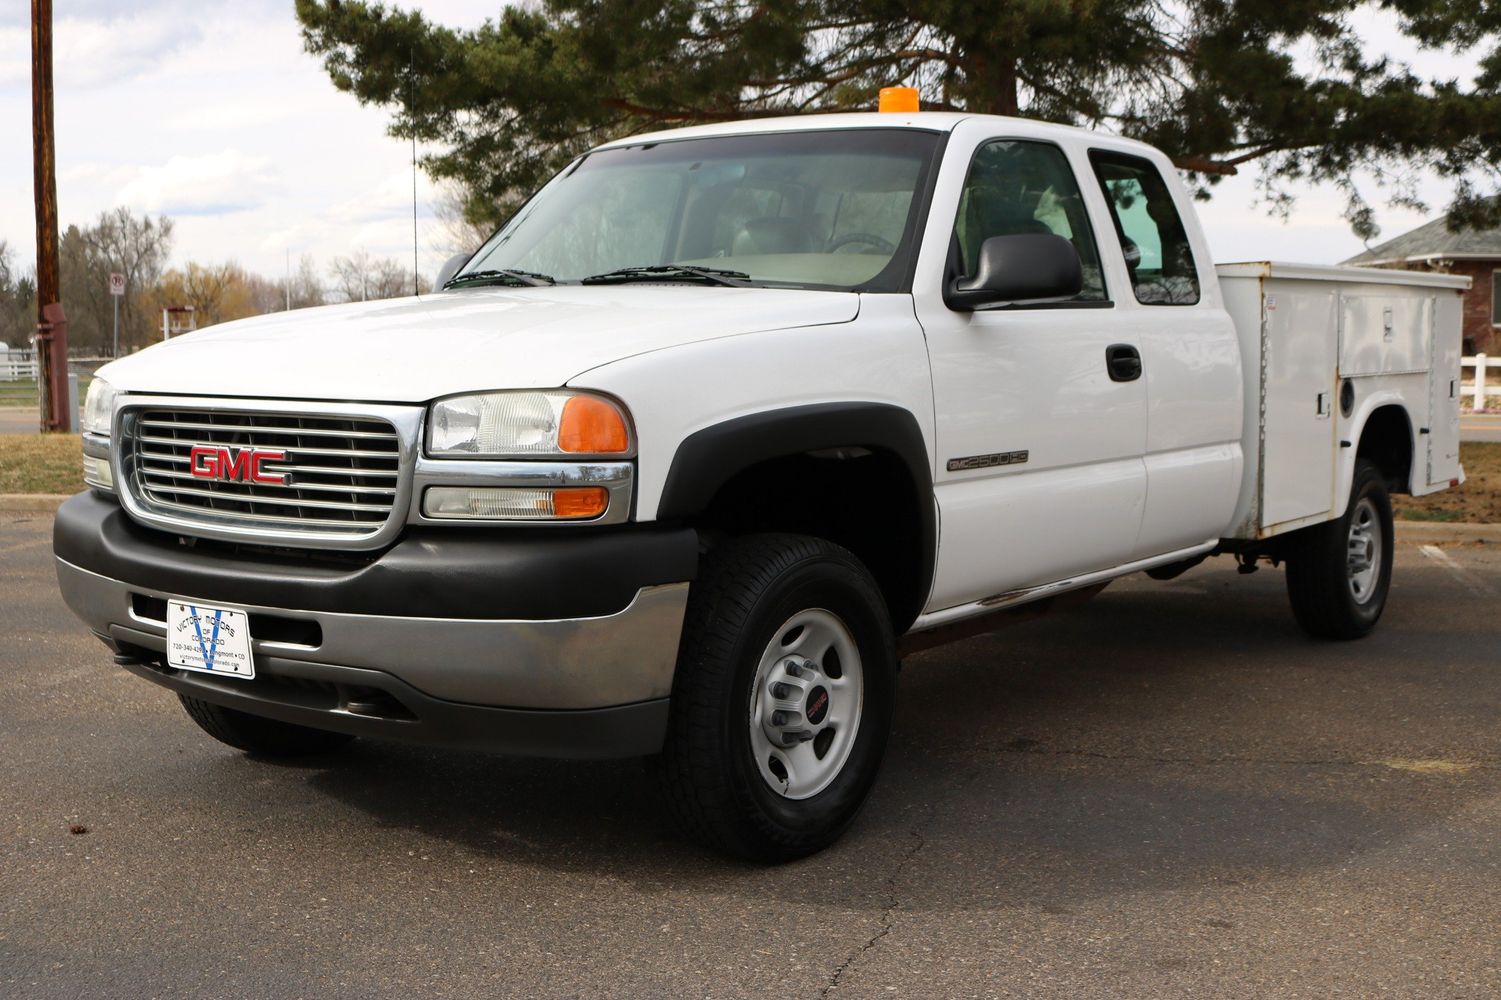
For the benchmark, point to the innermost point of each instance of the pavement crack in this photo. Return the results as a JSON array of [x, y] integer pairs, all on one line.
[[893, 902]]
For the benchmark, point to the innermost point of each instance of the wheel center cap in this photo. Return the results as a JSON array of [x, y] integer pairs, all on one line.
[[817, 705]]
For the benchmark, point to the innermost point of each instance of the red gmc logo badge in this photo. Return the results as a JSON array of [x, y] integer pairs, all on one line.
[[235, 466]]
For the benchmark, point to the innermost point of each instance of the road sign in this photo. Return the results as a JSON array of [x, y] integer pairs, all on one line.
[[117, 292]]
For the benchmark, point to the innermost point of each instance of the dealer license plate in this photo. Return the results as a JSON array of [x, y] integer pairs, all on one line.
[[209, 640]]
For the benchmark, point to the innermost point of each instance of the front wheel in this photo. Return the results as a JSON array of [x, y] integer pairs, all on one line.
[[783, 698], [1338, 573]]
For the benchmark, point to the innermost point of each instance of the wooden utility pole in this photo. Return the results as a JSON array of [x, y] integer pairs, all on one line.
[[52, 326]]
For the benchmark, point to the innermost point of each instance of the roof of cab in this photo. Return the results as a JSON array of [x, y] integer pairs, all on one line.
[[937, 121]]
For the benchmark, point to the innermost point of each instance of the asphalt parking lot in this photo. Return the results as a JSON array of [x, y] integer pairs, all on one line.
[[1168, 793]]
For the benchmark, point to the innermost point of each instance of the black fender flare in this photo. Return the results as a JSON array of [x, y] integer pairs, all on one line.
[[709, 458]]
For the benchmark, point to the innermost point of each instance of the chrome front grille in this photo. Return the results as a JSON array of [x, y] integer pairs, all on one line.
[[322, 476]]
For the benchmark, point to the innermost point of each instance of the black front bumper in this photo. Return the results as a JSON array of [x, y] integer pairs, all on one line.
[[429, 573]]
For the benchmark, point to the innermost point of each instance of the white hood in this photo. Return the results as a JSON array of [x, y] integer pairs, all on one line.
[[415, 349]]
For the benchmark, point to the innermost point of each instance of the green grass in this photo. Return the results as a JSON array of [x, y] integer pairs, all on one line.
[[40, 463], [22, 391]]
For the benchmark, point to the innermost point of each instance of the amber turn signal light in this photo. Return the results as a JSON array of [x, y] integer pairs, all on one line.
[[592, 426], [579, 501]]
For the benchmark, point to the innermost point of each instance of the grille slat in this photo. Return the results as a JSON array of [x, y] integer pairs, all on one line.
[[270, 519], [381, 509], [261, 429], [342, 474], [281, 466], [298, 448], [276, 467]]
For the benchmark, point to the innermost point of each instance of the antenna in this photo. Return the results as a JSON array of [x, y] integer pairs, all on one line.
[[411, 89]]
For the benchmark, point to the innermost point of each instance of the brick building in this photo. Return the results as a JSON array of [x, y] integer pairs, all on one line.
[[1476, 253]]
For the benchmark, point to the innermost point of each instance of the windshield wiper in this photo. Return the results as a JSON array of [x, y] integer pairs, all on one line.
[[672, 272], [501, 276]]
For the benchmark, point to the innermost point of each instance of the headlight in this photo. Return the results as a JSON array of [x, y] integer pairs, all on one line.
[[528, 424], [98, 407]]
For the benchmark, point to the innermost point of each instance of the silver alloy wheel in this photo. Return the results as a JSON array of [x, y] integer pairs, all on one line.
[[1363, 559], [806, 703]]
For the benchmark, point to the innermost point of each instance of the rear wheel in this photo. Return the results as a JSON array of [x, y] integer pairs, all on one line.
[[257, 736], [1338, 573], [782, 700]]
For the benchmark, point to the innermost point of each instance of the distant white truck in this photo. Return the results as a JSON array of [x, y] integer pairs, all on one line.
[[723, 422]]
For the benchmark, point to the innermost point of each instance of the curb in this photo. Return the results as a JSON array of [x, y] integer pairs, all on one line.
[[31, 503], [1415, 532]]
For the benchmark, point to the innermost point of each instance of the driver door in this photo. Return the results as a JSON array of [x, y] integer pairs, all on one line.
[[1040, 472]]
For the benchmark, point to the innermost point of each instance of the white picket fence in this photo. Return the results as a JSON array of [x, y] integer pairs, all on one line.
[[16, 366], [1478, 388], [13, 369]]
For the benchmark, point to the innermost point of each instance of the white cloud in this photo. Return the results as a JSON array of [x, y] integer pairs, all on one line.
[[206, 184], [390, 198], [93, 52]]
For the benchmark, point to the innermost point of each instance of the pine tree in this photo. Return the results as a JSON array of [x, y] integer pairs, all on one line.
[[1219, 85]]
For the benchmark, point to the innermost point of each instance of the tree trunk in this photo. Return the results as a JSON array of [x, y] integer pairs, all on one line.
[[992, 85], [52, 328]]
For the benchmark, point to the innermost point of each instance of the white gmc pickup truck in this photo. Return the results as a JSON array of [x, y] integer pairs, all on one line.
[[722, 423]]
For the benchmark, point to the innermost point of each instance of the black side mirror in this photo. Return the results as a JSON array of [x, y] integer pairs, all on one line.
[[450, 268], [1023, 267]]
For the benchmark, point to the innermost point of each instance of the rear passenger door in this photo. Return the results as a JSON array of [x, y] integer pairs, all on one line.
[[1170, 305], [1039, 471]]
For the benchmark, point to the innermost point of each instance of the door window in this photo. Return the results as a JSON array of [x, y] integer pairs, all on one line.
[[1151, 233], [1025, 187]]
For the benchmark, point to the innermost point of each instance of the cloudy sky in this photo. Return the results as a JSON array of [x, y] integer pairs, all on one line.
[[213, 114]]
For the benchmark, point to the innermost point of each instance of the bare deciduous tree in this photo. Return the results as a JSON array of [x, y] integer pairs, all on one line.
[[455, 233], [118, 241], [361, 277], [17, 300]]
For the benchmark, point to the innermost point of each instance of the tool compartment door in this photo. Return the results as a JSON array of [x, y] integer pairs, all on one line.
[[1300, 321], [1386, 333]]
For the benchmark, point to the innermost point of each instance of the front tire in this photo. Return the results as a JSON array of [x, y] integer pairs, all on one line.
[[782, 700], [1339, 573], [257, 736]]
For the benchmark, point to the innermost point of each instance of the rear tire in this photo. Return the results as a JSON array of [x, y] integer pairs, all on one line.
[[257, 736], [782, 700], [1339, 573]]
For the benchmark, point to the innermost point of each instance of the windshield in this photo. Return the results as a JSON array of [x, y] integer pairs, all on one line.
[[827, 209]]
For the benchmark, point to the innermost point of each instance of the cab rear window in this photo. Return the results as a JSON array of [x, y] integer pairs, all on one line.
[[1151, 233]]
